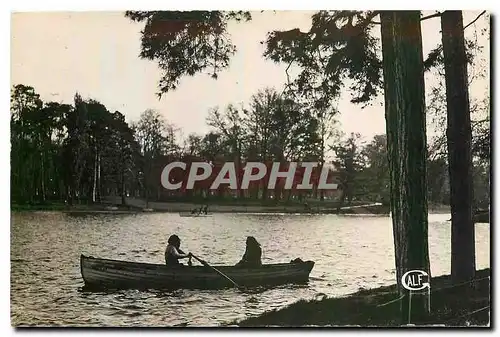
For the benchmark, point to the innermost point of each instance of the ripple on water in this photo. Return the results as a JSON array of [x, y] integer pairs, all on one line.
[[349, 253]]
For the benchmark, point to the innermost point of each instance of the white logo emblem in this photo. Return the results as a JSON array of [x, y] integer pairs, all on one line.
[[414, 280]]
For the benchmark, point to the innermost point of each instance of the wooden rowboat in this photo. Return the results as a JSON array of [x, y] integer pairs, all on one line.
[[112, 274]]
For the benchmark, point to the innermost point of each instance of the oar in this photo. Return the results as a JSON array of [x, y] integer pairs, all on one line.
[[216, 270]]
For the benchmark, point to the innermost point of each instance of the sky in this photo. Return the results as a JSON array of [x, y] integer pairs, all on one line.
[[97, 55]]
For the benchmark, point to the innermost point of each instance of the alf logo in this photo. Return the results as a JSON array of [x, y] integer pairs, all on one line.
[[415, 280]]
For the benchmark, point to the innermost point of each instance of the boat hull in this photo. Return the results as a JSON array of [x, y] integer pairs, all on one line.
[[113, 274]]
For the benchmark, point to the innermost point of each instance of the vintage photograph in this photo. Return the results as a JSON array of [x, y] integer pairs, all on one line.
[[229, 169]]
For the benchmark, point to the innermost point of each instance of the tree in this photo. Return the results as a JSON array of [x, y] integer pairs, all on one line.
[[279, 128], [230, 125], [97, 148], [376, 172], [150, 132], [27, 176], [99, 138], [121, 156], [212, 145], [257, 122], [406, 139], [459, 135], [339, 49], [349, 163], [51, 134], [437, 180], [193, 145], [326, 131], [186, 43]]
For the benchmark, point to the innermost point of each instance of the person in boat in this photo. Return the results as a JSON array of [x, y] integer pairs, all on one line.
[[205, 209], [253, 254], [173, 252]]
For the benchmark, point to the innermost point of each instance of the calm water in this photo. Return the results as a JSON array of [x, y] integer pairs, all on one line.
[[350, 253]]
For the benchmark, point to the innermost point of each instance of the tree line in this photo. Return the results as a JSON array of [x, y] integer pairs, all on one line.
[[83, 151]]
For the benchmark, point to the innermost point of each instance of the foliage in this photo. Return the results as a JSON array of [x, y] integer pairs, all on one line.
[[349, 161], [479, 104], [60, 151], [44, 135], [186, 43], [338, 47]]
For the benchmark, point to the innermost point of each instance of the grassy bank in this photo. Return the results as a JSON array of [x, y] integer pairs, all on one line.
[[451, 305]]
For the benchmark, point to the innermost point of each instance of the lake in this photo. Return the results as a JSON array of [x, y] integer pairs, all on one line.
[[350, 252]]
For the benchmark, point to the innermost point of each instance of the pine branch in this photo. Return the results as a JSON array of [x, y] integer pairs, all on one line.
[[473, 21], [435, 15]]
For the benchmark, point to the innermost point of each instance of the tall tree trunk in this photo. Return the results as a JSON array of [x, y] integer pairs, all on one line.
[[316, 183], [42, 175], [122, 185], [341, 200], [459, 137], [240, 192], [406, 141], [98, 183], [94, 180], [146, 180]]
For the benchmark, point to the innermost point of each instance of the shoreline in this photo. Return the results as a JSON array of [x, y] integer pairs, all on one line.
[[135, 206], [112, 205], [452, 305]]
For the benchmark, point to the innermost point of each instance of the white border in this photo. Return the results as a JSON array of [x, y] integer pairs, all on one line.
[[50, 5]]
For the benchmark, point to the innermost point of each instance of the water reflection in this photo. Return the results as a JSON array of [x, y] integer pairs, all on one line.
[[349, 253]]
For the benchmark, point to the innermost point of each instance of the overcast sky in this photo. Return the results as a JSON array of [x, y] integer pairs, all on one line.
[[96, 54]]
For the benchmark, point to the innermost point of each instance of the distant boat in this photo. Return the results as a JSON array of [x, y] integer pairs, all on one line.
[[113, 274], [362, 206], [193, 215]]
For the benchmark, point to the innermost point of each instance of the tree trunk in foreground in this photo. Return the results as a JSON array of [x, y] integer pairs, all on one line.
[[459, 136], [406, 144]]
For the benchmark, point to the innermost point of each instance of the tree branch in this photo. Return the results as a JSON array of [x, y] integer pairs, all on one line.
[[286, 72], [371, 16], [473, 21], [435, 15]]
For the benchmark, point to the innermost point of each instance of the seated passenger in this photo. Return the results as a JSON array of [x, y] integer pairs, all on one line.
[[253, 254]]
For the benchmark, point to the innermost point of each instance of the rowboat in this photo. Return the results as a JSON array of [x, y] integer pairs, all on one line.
[[113, 274]]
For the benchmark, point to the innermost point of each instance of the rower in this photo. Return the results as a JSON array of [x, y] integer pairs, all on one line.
[[173, 252]]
